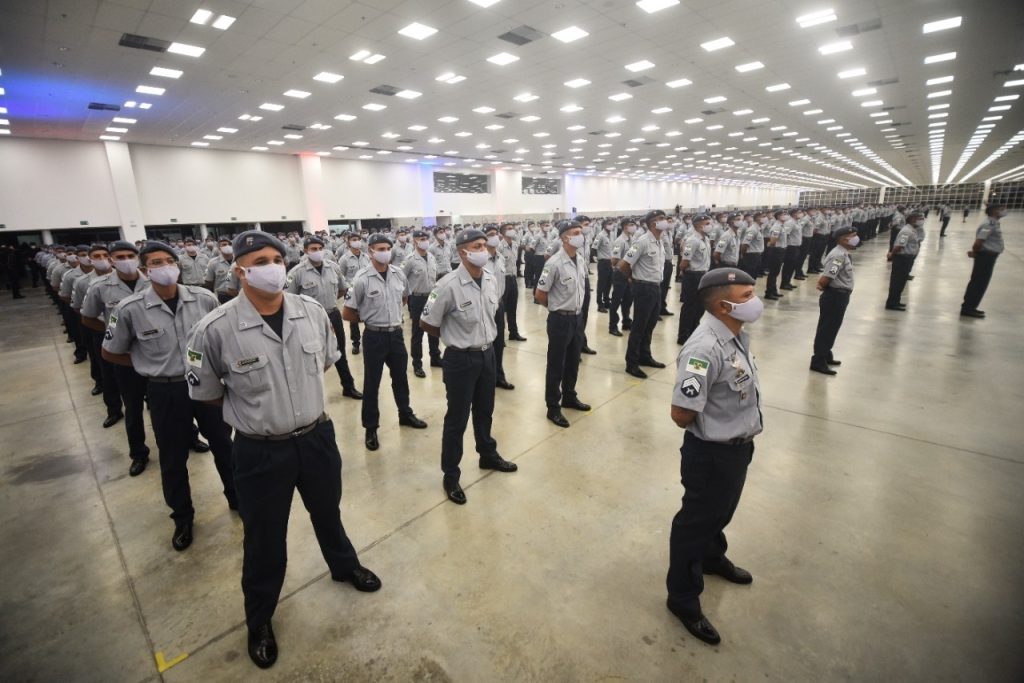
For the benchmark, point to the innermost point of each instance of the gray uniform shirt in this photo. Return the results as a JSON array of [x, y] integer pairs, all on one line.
[[508, 254], [106, 293], [221, 273], [351, 264], [442, 256], [729, 247], [753, 238], [646, 257], [144, 326], [991, 235], [193, 268], [377, 299], [794, 233], [603, 244], [716, 377], [496, 267], [564, 279], [400, 252], [907, 240], [621, 245], [324, 284], [463, 310], [82, 285], [696, 250], [67, 281], [269, 385], [420, 272], [839, 267]]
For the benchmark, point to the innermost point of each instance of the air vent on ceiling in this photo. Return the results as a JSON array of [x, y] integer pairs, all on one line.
[[638, 81], [857, 29], [497, 151], [143, 42], [405, 141], [102, 106], [389, 90], [521, 35], [507, 115], [293, 126], [652, 142], [883, 81], [598, 132], [712, 112], [753, 127]]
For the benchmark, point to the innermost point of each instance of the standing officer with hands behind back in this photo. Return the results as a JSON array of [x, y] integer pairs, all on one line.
[[262, 356], [643, 265]]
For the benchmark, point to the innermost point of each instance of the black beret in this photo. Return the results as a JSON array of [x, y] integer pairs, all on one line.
[[915, 214], [565, 226], [581, 219], [469, 235], [312, 240], [227, 238], [123, 245], [380, 238], [156, 245], [701, 217], [254, 240], [720, 277], [97, 246], [420, 234], [82, 247], [189, 240], [651, 215], [490, 228], [843, 230]]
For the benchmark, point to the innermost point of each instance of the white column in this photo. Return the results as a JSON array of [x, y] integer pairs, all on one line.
[[311, 175], [126, 193], [47, 237], [204, 232], [984, 194]]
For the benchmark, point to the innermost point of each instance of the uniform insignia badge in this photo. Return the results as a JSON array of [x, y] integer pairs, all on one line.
[[194, 358], [691, 387], [697, 366], [192, 378]]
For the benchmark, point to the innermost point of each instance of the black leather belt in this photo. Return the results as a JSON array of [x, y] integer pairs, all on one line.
[[572, 313], [469, 348], [420, 294], [740, 441], [290, 435], [374, 328], [165, 380]]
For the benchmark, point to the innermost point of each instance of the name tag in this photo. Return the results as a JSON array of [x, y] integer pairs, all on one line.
[[149, 333], [246, 362], [464, 305], [373, 292]]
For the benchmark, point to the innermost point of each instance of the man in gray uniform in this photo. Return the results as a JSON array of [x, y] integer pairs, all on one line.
[[150, 336], [262, 357], [496, 267], [622, 289], [461, 311], [694, 262], [752, 245], [322, 280], [376, 298], [643, 265], [835, 285], [509, 250], [420, 269], [717, 400], [902, 255], [603, 250], [988, 245], [193, 264], [71, 318], [403, 248], [442, 252], [562, 289], [220, 275], [352, 260], [99, 260]]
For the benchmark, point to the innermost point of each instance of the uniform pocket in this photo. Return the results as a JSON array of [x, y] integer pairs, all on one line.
[[312, 357], [251, 373]]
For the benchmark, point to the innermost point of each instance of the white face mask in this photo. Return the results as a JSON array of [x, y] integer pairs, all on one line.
[[576, 241], [191, 250], [227, 250], [661, 225], [422, 244], [853, 241], [492, 241], [382, 256], [511, 234], [403, 238], [128, 266], [630, 229], [477, 258], [72, 259], [85, 261], [164, 275], [268, 278], [355, 244], [748, 311], [101, 264], [316, 256]]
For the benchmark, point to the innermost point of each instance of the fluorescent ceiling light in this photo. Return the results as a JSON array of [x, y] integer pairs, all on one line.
[[865, 91], [939, 93], [201, 17], [150, 90], [743, 112], [299, 94], [652, 6], [344, 117], [328, 77], [615, 119], [462, 134], [484, 110], [799, 103], [360, 143], [528, 119], [618, 97], [219, 137], [576, 127], [502, 59], [223, 22], [812, 112], [360, 56], [577, 83], [1001, 98], [944, 57], [872, 103], [832, 48], [121, 119], [275, 143], [494, 126], [525, 97], [418, 31], [777, 87], [293, 136], [852, 73], [648, 129], [873, 114], [642, 65], [374, 106], [200, 144], [749, 66], [109, 130], [1013, 84], [373, 59], [227, 130], [941, 25], [165, 73], [448, 119], [390, 136], [1001, 107], [695, 119], [184, 49], [259, 148], [815, 18], [567, 35], [417, 128], [270, 106], [715, 99], [679, 82], [717, 44], [142, 105], [661, 110], [571, 108], [408, 94]]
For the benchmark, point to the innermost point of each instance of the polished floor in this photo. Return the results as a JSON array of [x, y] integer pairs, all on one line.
[[883, 517]]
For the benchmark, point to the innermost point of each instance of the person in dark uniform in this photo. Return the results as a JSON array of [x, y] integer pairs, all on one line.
[[150, 336], [988, 245], [262, 357], [835, 285], [602, 247], [461, 311], [717, 400], [375, 298], [15, 270], [643, 265]]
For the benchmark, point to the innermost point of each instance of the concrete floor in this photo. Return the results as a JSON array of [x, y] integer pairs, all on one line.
[[882, 518]]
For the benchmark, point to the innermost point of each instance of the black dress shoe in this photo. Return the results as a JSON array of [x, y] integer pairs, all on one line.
[[182, 537], [199, 446], [651, 363], [419, 372], [436, 363], [799, 277], [602, 309], [636, 371], [698, 625], [626, 325], [576, 404], [730, 572], [834, 362], [505, 384], [557, 417], [498, 463], [897, 307], [787, 287], [589, 351], [79, 360], [972, 314], [454, 491], [353, 393], [516, 337], [665, 311], [615, 333], [263, 646], [823, 369], [138, 466], [355, 349], [410, 420], [371, 441], [112, 420], [362, 579], [96, 390]]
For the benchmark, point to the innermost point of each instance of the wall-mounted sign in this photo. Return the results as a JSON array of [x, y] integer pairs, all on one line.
[[234, 218], [83, 222], [283, 217], [174, 220], [542, 185], [461, 183]]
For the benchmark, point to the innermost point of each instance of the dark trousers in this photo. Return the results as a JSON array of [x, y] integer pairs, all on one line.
[[111, 394], [831, 308], [773, 260], [565, 341], [713, 475], [347, 381], [353, 333], [416, 304], [604, 283], [499, 342], [791, 257], [646, 304], [534, 265], [622, 298], [266, 475], [380, 349], [172, 412], [901, 266], [981, 274], [132, 386], [945, 222], [86, 335], [585, 311], [817, 252], [666, 283], [805, 250], [692, 309], [750, 263], [862, 230], [892, 238], [511, 302], [469, 378]]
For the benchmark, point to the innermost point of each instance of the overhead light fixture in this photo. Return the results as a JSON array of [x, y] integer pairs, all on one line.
[[715, 99], [142, 105], [111, 129], [270, 106], [695, 119], [832, 48], [494, 126], [1013, 84], [525, 97], [116, 119], [450, 77], [1001, 98], [165, 73], [814, 18], [749, 66], [777, 87], [448, 119], [864, 91], [939, 93], [852, 73], [227, 130], [577, 83], [742, 112], [527, 119], [328, 77], [799, 103], [374, 58], [200, 144], [652, 6], [185, 49], [717, 44], [619, 97], [408, 94], [661, 110], [201, 17], [571, 108], [223, 22], [615, 119], [567, 35], [679, 82], [360, 56], [344, 117], [502, 59], [418, 31], [360, 143], [150, 90], [259, 148], [944, 57], [374, 106], [275, 143], [872, 103], [417, 128], [298, 94], [941, 25], [219, 137], [484, 110], [1001, 107], [642, 65], [812, 112]]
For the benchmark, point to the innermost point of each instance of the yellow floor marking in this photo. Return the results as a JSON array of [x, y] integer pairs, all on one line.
[[163, 665]]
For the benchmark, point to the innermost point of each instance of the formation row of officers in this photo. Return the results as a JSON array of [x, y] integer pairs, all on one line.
[[253, 363]]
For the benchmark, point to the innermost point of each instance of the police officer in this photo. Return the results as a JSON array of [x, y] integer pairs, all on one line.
[[603, 250], [262, 356], [150, 336], [562, 289], [643, 265], [420, 269], [98, 314], [819, 240], [193, 264], [508, 247], [835, 285], [752, 245], [622, 289], [496, 267], [99, 261], [402, 248], [774, 254], [727, 249], [791, 255], [441, 249], [352, 260], [67, 284], [902, 256], [694, 262], [988, 245], [375, 298], [717, 400], [220, 275], [322, 280], [461, 311]]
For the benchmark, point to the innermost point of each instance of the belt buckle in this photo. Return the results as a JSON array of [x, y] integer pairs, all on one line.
[[297, 432], [485, 347]]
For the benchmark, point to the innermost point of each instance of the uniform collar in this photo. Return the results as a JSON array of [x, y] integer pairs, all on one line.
[[151, 299], [465, 278], [724, 334], [249, 317]]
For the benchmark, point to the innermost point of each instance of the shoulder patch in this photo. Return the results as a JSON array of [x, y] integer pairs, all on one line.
[[697, 366], [192, 378], [112, 322], [194, 358], [690, 387]]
